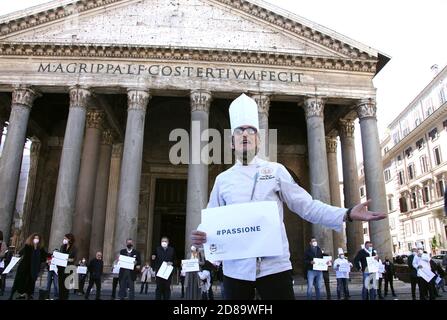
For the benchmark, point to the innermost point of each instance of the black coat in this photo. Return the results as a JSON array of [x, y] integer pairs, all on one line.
[[134, 254], [95, 268], [389, 269], [360, 260], [309, 256], [162, 255], [28, 268], [413, 271]]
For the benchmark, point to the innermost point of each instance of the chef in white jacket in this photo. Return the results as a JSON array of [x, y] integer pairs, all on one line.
[[342, 276], [255, 179]]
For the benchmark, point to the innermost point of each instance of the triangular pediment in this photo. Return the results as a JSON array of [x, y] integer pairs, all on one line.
[[217, 24]]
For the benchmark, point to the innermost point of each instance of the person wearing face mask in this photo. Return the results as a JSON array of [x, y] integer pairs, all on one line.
[[253, 179], [389, 275], [81, 278], [163, 253], [127, 277], [422, 261], [146, 277], [314, 277], [32, 256], [192, 279], [67, 248], [413, 273], [361, 265], [342, 276]]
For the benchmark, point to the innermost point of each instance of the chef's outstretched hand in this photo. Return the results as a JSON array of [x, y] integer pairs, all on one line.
[[198, 238], [361, 213]]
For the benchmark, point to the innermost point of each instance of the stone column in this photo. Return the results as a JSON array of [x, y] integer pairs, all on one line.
[[338, 238], [11, 159], [197, 194], [319, 176], [351, 186], [263, 102], [374, 180], [30, 186], [82, 219], [67, 181], [112, 200], [130, 175], [100, 203]]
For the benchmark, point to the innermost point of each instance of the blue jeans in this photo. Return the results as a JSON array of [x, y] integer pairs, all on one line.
[[314, 278], [369, 294], [52, 279]]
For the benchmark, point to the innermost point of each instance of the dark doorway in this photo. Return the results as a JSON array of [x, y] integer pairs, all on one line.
[[170, 214]]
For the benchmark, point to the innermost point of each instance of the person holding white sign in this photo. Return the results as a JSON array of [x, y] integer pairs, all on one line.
[[82, 276], [146, 277], [342, 268], [254, 179], [163, 253], [421, 263], [361, 264], [192, 281], [314, 275], [32, 256], [127, 277], [379, 275], [52, 277], [69, 248]]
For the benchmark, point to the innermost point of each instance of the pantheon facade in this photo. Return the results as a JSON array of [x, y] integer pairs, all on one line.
[[99, 85]]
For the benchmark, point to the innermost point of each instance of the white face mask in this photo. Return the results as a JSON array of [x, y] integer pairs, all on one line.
[[342, 256], [164, 244], [65, 241], [35, 241], [314, 243]]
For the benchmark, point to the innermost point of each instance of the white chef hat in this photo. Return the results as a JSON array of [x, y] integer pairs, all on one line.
[[244, 112], [340, 251]]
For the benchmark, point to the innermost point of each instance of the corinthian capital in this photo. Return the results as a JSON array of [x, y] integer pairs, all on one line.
[[137, 99], [95, 119], [117, 150], [79, 97], [314, 107], [24, 96], [366, 108], [200, 100], [107, 137], [346, 128], [263, 102], [331, 144]]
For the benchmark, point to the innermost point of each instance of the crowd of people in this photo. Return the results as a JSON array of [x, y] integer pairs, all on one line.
[[36, 261], [251, 179], [375, 273]]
